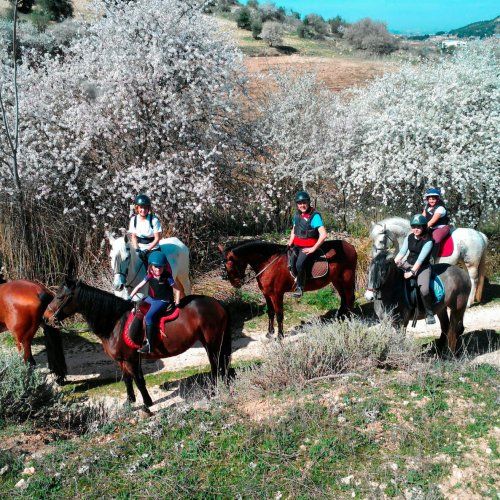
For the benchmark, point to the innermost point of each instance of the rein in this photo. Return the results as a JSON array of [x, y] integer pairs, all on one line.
[[250, 278]]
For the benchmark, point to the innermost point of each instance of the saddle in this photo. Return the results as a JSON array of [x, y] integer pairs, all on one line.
[[317, 264], [446, 247], [134, 338], [414, 298]]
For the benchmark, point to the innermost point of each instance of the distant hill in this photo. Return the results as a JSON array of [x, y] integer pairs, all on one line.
[[481, 29]]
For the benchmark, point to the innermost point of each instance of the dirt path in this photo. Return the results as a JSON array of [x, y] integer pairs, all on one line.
[[86, 359]]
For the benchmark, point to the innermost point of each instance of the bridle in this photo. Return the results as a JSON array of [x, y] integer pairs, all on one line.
[[247, 280], [61, 306], [117, 268]]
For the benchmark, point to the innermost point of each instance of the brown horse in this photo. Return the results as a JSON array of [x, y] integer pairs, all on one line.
[[201, 318], [22, 304], [270, 263]]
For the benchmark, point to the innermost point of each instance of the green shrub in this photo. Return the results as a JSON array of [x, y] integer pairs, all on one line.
[[40, 19], [329, 349], [256, 27], [27, 394], [57, 9], [24, 392], [244, 18], [24, 6]]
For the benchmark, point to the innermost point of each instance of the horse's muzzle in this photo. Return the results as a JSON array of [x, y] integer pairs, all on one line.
[[369, 295]]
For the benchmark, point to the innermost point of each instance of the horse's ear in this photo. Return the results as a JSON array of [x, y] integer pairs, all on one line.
[[125, 238], [383, 227], [221, 248], [372, 224]]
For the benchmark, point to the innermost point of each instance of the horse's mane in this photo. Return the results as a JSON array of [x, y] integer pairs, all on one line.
[[264, 248], [101, 309], [393, 224]]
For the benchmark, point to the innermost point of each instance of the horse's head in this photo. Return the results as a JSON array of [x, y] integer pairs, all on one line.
[[63, 304], [120, 260], [381, 237], [379, 273], [232, 267]]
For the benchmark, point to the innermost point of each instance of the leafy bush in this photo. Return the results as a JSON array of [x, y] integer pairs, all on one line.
[[329, 349], [27, 394], [24, 392], [337, 26], [272, 33], [317, 25], [24, 6], [256, 27], [57, 9], [244, 18], [371, 36]]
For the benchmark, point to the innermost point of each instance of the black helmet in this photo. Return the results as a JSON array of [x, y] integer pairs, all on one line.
[[302, 196], [142, 200]]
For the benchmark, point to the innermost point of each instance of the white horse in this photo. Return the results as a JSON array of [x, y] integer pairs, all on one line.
[[469, 247], [129, 270]]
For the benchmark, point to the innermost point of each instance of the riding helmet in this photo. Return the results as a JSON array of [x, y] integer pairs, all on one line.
[[433, 192], [157, 259], [302, 196], [418, 220], [142, 200]]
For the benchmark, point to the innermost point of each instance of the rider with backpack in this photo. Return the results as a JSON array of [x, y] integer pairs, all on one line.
[[160, 298], [418, 246], [144, 228], [308, 233]]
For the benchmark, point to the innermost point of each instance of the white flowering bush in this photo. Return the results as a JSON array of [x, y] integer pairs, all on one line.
[[432, 125], [143, 101]]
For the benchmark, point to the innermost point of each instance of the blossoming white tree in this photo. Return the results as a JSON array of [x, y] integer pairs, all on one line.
[[432, 125]]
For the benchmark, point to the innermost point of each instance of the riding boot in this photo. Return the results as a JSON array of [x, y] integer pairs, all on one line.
[[150, 343], [299, 289], [434, 253], [429, 314]]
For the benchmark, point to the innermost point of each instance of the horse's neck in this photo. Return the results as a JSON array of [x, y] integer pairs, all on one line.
[[257, 261], [102, 322], [392, 291], [136, 269]]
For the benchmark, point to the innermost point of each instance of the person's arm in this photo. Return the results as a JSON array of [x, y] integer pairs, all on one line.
[[402, 251], [154, 242], [322, 237], [440, 212], [138, 287]]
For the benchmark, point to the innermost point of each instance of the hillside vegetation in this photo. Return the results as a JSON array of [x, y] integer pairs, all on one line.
[[481, 29]]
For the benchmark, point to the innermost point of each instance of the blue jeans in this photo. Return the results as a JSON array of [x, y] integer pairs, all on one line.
[[157, 308]]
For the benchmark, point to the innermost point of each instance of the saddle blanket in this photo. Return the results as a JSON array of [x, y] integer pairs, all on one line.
[[436, 287], [446, 247], [135, 341]]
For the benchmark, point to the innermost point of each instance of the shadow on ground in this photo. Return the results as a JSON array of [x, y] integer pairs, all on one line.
[[472, 344]]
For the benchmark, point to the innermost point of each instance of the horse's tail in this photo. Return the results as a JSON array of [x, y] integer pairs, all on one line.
[[53, 342], [55, 351]]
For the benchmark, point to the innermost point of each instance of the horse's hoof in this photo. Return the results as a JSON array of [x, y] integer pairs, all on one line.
[[269, 335]]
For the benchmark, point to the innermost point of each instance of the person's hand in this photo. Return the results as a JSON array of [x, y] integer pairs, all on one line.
[[408, 275], [308, 251], [398, 263]]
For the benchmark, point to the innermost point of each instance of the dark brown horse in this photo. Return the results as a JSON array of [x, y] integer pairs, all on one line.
[[201, 318], [270, 263], [22, 304]]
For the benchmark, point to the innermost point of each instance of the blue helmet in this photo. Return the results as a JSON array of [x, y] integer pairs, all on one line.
[[157, 259], [433, 192]]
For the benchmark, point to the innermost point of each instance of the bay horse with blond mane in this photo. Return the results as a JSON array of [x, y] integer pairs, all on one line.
[[22, 304], [200, 318], [270, 263]]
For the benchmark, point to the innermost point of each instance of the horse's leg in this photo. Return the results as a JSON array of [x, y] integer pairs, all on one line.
[[270, 315], [179, 292], [277, 301], [480, 285], [140, 382], [444, 321], [338, 284], [473, 270], [127, 379], [349, 284]]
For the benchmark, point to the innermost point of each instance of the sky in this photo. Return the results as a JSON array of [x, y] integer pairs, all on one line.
[[402, 16]]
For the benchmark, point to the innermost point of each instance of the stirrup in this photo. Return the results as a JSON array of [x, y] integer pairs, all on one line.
[[298, 292], [145, 349], [429, 319]]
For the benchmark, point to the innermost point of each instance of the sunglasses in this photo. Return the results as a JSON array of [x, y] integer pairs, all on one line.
[[417, 227]]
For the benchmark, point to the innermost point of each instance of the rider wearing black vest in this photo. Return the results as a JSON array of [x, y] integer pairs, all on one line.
[[436, 215], [418, 245], [308, 233]]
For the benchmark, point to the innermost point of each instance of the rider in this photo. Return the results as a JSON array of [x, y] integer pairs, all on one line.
[[144, 228], [436, 215], [418, 244], [308, 233], [161, 296]]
